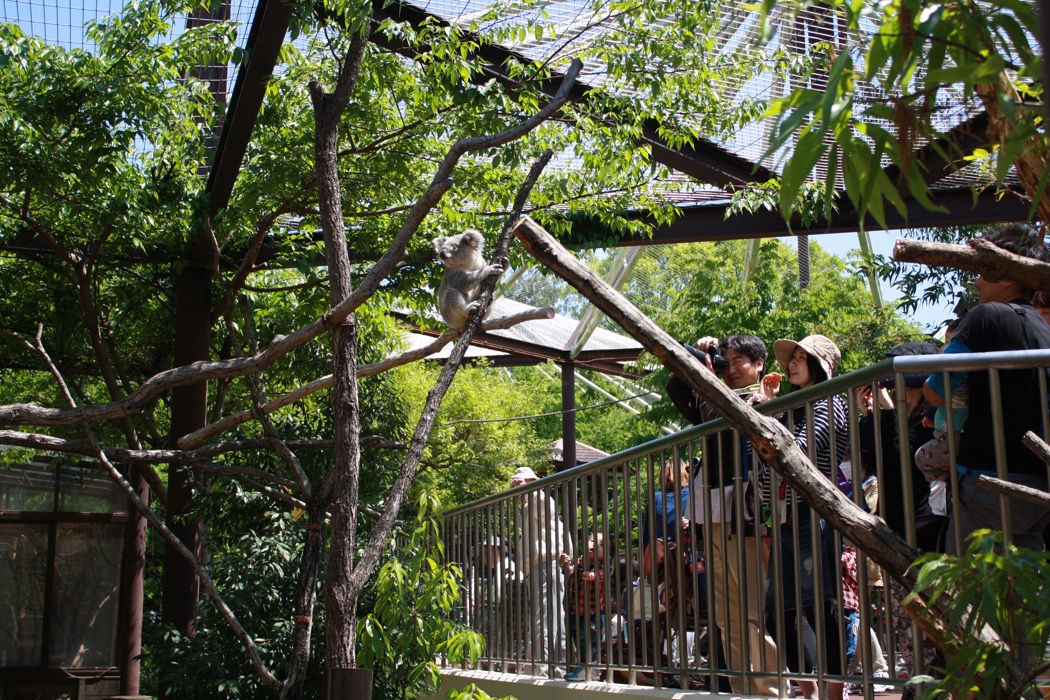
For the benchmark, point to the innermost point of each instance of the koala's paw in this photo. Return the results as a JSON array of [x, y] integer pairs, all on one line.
[[496, 269], [473, 306]]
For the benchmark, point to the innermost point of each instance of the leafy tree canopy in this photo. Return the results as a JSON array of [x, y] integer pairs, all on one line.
[[894, 76]]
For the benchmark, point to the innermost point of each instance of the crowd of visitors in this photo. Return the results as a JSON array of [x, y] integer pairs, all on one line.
[[785, 587]]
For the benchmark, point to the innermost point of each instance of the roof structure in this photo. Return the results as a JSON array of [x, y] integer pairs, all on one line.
[[584, 453], [709, 166], [534, 342], [713, 167], [704, 171]]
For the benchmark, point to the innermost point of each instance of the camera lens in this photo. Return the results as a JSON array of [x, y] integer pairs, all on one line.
[[718, 363]]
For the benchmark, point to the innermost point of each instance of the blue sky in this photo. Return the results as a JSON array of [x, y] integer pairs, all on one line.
[[843, 244]]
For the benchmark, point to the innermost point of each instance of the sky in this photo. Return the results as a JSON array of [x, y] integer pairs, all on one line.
[[928, 317]]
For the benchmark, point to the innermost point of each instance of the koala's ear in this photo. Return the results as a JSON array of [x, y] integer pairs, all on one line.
[[438, 242], [474, 238]]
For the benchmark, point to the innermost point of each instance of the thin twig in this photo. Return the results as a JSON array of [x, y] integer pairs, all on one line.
[[198, 437], [155, 521], [123, 455], [258, 394]]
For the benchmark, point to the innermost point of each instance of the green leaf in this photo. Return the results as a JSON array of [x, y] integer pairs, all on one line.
[[799, 169]]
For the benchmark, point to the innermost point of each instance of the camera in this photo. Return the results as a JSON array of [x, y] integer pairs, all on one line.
[[718, 363]]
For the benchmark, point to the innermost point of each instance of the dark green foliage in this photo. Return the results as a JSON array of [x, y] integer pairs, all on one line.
[[1007, 590], [256, 550], [411, 623]]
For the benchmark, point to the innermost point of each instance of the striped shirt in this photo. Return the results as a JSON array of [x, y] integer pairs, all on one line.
[[828, 434]]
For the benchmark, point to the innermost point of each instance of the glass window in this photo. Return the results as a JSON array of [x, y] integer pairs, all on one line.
[[90, 490], [27, 488], [23, 574], [86, 595]]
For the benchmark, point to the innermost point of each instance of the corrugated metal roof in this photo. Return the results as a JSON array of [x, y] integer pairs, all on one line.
[[556, 332]]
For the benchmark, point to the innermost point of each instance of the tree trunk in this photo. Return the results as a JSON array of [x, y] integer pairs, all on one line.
[[306, 596], [341, 591], [340, 597]]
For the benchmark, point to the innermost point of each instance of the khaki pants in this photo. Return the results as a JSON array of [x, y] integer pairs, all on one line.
[[740, 599]]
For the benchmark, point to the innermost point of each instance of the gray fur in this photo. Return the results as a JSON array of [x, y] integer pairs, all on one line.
[[465, 269]]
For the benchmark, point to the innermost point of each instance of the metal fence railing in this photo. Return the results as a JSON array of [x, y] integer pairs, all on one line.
[[770, 597]]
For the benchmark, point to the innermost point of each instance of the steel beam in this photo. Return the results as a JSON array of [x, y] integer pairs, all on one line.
[[708, 222], [704, 160], [269, 26]]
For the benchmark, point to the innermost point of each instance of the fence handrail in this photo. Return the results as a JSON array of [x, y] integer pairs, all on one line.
[[1010, 359], [909, 364]]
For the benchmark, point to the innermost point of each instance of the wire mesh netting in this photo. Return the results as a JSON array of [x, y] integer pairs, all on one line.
[[568, 27]]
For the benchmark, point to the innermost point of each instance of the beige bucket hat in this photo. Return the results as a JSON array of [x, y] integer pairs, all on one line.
[[819, 346]]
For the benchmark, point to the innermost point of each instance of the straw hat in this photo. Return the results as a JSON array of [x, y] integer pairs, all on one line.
[[819, 346]]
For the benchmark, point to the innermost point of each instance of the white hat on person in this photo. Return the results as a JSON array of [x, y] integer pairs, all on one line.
[[819, 346], [525, 474]]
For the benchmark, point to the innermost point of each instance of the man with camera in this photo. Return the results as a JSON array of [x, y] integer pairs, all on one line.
[[739, 582]]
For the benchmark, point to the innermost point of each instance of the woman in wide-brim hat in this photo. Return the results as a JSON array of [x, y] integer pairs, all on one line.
[[809, 361]]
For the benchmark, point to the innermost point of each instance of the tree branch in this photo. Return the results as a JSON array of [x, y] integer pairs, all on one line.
[[771, 440], [38, 441], [370, 556], [978, 256], [258, 394], [199, 437], [1037, 445], [32, 414], [1023, 493]]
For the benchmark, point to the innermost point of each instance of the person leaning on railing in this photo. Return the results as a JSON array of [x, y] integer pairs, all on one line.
[[541, 537], [586, 612], [490, 574], [739, 584], [810, 361], [883, 442], [664, 512], [1002, 320]]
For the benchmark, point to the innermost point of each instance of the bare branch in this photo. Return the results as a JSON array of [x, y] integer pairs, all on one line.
[[258, 393], [199, 437], [209, 586], [1037, 445], [1023, 493], [979, 256], [150, 475], [771, 440], [123, 455], [370, 556]]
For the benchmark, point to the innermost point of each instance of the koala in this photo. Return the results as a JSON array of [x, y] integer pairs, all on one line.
[[465, 269]]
